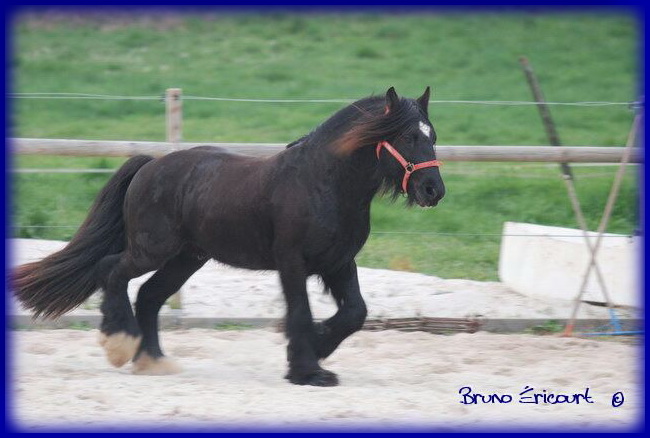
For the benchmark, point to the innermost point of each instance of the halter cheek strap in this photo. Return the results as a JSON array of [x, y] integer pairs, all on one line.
[[409, 168]]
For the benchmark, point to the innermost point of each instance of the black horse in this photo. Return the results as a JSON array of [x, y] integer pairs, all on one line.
[[302, 212]]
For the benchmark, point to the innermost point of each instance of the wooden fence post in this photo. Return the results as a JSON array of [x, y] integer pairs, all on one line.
[[174, 118], [174, 108]]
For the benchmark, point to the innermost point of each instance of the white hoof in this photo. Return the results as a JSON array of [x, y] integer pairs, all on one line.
[[119, 347]]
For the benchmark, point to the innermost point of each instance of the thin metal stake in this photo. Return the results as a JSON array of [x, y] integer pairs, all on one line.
[[609, 206], [567, 175]]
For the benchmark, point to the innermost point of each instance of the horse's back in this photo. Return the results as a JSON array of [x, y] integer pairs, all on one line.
[[208, 198]]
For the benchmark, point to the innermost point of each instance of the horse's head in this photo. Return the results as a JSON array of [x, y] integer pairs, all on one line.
[[406, 152]]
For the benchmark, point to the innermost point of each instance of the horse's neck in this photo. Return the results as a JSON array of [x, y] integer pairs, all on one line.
[[354, 178]]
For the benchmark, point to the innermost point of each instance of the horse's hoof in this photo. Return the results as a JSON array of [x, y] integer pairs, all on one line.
[[155, 366], [315, 378], [119, 347]]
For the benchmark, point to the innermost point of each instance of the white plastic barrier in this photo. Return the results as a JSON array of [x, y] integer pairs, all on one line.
[[537, 260]]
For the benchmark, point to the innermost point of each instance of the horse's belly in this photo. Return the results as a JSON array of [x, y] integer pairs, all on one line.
[[244, 261], [247, 253]]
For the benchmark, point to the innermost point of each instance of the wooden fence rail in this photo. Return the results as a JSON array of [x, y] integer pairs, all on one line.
[[564, 154]]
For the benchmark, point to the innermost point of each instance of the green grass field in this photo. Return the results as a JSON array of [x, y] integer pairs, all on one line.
[[577, 56]]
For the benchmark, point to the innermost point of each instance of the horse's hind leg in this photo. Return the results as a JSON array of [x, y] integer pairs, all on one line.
[[152, 295], [119, 331]]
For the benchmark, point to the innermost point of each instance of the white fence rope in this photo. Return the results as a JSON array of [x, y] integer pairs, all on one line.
[[79, 96], [87, 96]]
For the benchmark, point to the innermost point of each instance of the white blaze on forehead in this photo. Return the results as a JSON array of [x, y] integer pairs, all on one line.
[[426, 129]]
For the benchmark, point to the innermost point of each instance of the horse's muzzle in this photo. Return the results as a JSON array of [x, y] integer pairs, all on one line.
[[429, 193]]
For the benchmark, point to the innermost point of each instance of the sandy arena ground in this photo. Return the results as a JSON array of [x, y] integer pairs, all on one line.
[[389, 379]]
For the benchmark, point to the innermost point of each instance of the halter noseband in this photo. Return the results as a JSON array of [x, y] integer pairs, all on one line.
[[409, 168]]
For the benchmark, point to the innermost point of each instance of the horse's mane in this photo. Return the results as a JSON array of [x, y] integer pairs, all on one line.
[[295, 142], [364, 122]]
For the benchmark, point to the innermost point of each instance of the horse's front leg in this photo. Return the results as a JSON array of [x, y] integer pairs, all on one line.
[[301, 351], [352, 312]]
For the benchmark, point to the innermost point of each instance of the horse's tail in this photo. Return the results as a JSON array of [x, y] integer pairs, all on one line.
[[67, 278]]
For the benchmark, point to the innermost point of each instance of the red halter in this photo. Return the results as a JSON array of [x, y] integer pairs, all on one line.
[[409, 168]]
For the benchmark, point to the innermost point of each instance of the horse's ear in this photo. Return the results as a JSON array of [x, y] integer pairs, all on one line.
[[391, 99], [423, 101]]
